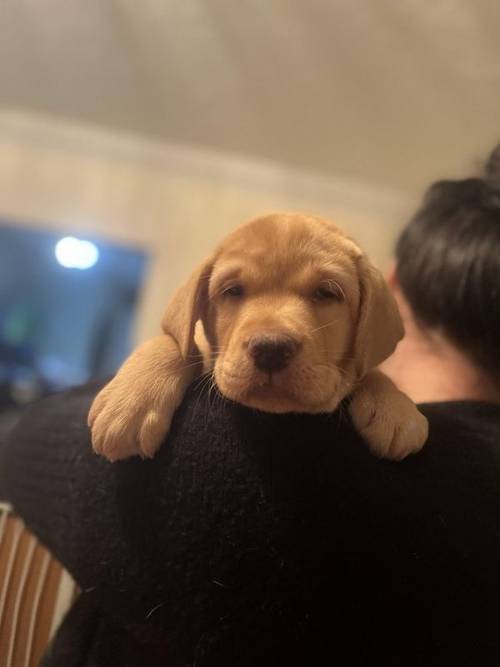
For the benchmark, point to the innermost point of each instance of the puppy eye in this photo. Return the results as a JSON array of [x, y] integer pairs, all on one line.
[[234, 290], [328, 294]]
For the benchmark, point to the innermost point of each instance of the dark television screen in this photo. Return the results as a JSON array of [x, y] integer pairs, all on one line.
[[66, 311]]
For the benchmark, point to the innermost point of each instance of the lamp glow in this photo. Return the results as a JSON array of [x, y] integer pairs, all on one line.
[[74, 253]]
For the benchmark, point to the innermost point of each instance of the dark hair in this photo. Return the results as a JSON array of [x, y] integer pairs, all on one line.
[[448, 263]]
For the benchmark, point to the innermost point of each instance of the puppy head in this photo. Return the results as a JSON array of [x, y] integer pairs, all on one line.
[[294, 312]]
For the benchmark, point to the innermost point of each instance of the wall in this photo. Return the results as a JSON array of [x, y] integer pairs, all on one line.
[[174, 202]]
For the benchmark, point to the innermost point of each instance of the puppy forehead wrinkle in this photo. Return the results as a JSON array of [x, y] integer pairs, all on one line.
[[224, 270], [281, 245], [231, 266], [291, 248]]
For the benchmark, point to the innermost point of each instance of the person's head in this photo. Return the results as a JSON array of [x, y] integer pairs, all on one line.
[[448, 265]]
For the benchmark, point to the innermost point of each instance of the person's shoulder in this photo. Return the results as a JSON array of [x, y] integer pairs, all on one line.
[[60, 414], [464, 425], [48, 434], [463, 447]]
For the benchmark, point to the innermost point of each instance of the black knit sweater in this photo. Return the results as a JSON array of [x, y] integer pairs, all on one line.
[[256, 539]]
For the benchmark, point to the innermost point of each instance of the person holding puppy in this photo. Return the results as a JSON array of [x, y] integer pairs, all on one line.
[[279, 539]]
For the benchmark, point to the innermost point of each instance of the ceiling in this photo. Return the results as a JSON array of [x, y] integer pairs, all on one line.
[[390, 92]]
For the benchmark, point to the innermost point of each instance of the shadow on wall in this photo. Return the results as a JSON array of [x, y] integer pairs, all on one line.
[[66, 310]]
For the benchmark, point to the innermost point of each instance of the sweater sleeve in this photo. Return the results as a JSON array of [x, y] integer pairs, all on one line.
[[85, 510], [45, 454]]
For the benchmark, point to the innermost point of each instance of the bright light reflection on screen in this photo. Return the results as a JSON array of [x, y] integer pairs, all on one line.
[[74, 253]]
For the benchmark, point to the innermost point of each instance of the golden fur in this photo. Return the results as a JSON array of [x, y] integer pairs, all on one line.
[[290, 278]]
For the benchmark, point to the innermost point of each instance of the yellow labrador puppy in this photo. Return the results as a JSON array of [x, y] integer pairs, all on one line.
[[296, 318]]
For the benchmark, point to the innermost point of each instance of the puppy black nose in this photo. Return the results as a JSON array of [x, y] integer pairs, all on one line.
[[272, 352]]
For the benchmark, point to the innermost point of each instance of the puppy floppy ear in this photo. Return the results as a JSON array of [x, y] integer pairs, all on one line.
[[379, 326], [188, 305]]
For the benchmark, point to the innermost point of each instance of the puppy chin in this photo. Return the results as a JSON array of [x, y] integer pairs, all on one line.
[[273, 398]]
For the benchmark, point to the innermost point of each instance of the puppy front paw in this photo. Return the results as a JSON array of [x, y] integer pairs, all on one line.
[[125, 423], [390, 423]]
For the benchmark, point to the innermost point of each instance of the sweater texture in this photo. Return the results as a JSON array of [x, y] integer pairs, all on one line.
[[257, 539]]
